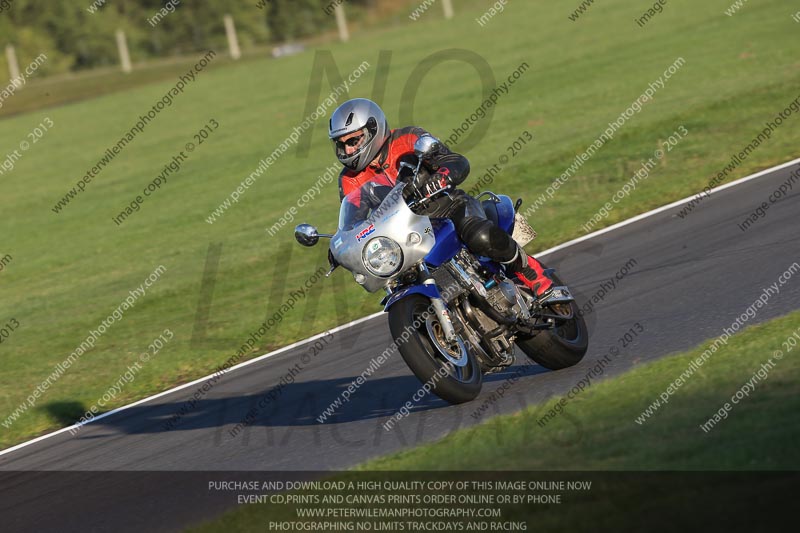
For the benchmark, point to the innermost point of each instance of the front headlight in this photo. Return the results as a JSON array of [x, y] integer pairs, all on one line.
[[382, 256]]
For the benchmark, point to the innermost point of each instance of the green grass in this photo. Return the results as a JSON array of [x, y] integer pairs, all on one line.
[[598, 428], [597, 432], [41, 94], [69, 271]]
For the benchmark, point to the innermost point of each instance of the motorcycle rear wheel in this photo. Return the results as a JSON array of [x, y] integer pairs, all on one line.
[[413, 319], [561, 347]]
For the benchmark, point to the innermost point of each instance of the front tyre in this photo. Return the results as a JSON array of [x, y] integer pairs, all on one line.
[[419, 338], [561, 347]]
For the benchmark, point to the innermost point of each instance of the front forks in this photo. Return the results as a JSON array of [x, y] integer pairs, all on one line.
[[439, 307]]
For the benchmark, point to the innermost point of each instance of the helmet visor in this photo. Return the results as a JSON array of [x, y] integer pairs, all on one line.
[[352, 143]]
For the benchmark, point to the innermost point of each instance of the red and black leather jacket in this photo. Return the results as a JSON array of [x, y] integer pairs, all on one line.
[[385, 169]]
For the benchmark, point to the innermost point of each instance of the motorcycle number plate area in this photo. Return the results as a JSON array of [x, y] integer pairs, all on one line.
[[523, 232]]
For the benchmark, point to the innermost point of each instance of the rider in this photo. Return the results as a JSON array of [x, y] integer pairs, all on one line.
[[371, 152]]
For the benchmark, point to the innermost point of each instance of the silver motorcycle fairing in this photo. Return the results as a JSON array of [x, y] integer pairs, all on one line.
[[393, 219]]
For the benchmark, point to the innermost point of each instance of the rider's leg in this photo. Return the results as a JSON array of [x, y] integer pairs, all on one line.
[[531, 273], [485, 238]]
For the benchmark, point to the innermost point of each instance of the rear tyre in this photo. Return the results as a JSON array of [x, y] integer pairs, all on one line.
[[419, 338], [561, 347]]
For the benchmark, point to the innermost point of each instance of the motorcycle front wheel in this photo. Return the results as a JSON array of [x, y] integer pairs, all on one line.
[[452, 373]]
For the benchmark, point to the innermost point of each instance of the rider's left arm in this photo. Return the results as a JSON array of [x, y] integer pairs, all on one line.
[[449, 166]]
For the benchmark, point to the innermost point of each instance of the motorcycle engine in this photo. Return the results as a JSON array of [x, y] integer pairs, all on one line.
[[498, 300], [503, 297]]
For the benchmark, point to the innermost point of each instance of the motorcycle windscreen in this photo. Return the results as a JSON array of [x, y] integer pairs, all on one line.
[[359, 203]]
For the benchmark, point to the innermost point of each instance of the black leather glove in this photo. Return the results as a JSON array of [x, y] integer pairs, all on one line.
[[437, 183]]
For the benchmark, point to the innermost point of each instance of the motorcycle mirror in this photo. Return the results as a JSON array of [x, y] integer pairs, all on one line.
[[306, 234], [426, 145]]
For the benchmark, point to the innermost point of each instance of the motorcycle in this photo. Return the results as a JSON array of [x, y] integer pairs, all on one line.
[[454, 316]]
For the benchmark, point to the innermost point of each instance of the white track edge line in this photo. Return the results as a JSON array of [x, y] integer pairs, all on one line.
[[664, 208], [375, 315]]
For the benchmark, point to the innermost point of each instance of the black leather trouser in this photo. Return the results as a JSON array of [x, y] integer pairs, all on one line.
[[481, 235]]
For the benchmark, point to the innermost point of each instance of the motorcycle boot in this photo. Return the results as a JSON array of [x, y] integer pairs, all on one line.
[[530, 273]]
